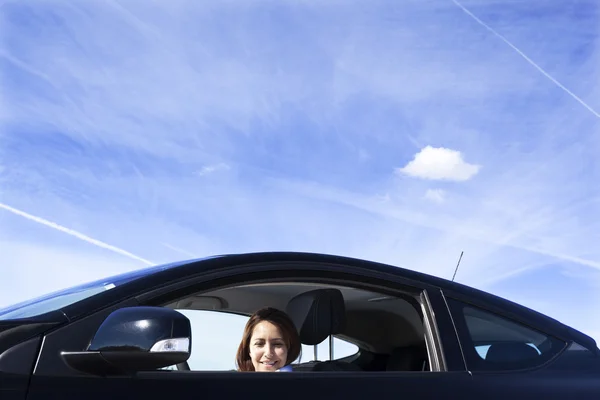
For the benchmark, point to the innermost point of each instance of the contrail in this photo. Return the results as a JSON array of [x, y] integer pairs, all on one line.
[[529, 60], [25, 67], [74, 233], [177, 249]]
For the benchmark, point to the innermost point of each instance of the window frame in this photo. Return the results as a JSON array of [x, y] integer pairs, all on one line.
[[429, 303], [442, 339]]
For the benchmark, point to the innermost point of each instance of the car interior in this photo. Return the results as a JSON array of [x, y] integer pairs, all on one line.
[[388, 330]]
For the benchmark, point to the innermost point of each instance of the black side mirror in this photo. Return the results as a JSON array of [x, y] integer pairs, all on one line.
[[135, 339]]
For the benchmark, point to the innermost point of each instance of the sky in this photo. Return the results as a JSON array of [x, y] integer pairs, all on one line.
[[136, 133]]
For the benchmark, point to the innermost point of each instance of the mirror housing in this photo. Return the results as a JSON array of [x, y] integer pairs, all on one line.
[[134, 339]]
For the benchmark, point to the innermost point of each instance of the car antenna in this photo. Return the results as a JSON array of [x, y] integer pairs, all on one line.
[[456, 269]]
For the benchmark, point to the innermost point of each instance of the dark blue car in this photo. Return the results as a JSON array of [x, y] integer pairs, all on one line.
[[411, 335]]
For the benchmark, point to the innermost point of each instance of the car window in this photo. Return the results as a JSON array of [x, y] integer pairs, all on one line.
[[483, 349], [216, 336], [495, 343]]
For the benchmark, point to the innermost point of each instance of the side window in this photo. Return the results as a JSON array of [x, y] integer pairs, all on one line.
[[341, 349], [217, 335], [494, 343], [215, 339]]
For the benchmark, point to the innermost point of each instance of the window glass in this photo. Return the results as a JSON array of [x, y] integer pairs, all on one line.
[[483, 349], [217, 335], [495, 343]]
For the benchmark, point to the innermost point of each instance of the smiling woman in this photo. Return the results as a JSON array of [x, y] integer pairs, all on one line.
[[269, 343]]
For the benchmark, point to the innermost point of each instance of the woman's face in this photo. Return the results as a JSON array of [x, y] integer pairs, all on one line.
[[268, 351]]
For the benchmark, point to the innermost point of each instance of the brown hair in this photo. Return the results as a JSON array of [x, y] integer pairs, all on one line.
[[277, 318]]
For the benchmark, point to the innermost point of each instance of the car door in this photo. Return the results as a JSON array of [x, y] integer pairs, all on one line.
[[53, 379]]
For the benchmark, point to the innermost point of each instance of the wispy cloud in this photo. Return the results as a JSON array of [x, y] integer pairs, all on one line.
[[435, 195]]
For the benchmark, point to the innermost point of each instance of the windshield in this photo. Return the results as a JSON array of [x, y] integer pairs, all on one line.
[[65, 297]]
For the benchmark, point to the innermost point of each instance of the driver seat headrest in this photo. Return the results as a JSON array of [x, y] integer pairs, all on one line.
[[317, 314]]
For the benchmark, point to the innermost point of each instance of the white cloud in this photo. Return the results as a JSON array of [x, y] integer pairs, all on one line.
[[436, 195], [208, 169], [439, 163]]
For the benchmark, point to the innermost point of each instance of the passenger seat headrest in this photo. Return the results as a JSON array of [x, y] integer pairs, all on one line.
[[408, 358], [510, 352], [317, 314]]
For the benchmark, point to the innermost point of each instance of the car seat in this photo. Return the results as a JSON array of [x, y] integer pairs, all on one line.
[[317, 315]]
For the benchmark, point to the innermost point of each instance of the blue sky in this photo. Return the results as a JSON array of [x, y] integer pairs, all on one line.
[[396, 131]]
